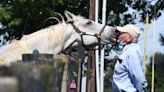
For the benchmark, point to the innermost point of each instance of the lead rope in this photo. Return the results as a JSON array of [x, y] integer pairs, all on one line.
[[99, 39]]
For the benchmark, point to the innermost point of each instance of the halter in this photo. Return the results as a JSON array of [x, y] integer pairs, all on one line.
[[97, 35]]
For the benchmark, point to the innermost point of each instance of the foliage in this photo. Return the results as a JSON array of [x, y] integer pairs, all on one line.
[[20, 17], [109, 66], [158, 73], [108, 79], [118, 14], [161, 39]]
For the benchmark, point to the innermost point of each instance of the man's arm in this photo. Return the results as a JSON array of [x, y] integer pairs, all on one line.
[[136, 71]]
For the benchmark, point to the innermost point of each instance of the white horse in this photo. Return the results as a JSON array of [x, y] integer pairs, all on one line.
[[57, 38]]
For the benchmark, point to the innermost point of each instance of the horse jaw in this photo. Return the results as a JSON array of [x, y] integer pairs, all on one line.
[[71, 38]]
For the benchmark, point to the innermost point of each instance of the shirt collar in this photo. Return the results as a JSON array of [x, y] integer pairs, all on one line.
[[128, 45]]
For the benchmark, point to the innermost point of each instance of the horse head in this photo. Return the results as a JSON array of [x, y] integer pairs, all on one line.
[[88, 32]]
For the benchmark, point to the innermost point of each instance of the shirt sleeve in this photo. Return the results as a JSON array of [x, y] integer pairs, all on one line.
[[135, 65]]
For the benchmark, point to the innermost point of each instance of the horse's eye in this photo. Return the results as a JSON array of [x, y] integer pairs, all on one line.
[[89, 22]]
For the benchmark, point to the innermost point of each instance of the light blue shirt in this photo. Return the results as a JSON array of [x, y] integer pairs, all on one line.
[[129, 74]]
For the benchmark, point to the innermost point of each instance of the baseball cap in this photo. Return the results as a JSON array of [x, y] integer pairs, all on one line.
[[131, 29]]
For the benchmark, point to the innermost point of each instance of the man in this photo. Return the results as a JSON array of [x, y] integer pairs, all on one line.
[[128, 71]]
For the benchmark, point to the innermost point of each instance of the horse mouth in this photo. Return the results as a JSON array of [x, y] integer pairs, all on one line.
[[111, 41]]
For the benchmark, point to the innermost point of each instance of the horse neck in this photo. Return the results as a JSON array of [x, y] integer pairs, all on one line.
[[48, 40], [71, 36]]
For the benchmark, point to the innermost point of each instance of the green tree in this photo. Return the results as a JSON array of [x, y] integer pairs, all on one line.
[[161, 39], [158, 73], [19, 17], [109, 66]]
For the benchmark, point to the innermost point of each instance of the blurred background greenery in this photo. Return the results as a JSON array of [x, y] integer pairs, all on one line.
[[22, 17]]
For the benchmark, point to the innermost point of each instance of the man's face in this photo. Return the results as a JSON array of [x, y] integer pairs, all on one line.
[[125, 37]]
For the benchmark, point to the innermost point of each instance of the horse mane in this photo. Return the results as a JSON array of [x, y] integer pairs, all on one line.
[[54, 33]]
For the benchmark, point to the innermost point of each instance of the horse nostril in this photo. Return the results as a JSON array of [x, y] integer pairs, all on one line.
[[116, 31]]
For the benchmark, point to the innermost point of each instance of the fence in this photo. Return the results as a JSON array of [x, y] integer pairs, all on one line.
[[41, 73]]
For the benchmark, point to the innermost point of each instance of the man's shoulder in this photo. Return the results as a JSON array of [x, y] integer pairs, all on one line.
[[132, 47]]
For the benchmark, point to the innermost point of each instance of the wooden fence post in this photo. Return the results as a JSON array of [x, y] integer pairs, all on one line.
[[91, 78]]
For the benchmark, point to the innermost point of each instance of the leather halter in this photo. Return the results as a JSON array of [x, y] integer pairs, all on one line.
[[97, 35]]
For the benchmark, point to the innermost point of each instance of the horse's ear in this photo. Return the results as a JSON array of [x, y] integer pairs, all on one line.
[[69, 16]]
